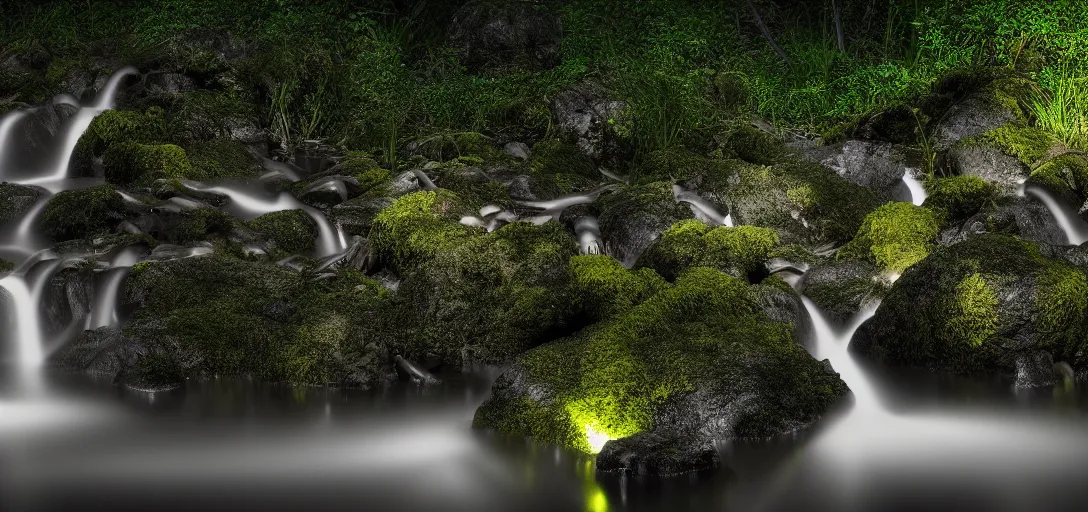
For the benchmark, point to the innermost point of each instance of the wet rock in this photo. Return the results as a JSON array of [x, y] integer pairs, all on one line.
[[16, 200], [989, 163], [741, 382], [505, 34], [67, 299], [633, 217], [356, 216], [650, 454], [1023, 217], [405, 183], [1035, 370], [585, 114], [517, 150], [329, 191], [981, 307], [877, 166], [38, 133], [973, 116], [102, 351], [842, 289]]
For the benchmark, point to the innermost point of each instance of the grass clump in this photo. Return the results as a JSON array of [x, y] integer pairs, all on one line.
[[894, 237]]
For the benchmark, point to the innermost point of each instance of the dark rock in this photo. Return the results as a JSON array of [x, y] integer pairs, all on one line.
[[987, 162], [585, 114], [842, 289], [505, 34], [877, 166], [974, 116], [1018, 216], [1034, 370], [16, 200], [39, 132], [357, 215], [633, 217], [329, 191], [985, 306], [650, 454]]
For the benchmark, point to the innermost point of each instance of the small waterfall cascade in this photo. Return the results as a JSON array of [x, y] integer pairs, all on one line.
[[249, 203], [107, 293], [831, 343], [1074, 227], [917, 190], [701, 208]]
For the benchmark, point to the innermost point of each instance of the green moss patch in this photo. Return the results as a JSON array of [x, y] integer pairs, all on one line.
[[894, 237], [131, 163], [417, 227], [293, 231], [959, 197], [740, 252], [74, 214]]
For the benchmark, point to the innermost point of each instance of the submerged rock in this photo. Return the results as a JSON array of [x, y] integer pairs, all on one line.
[[696, 362], [979, 307]]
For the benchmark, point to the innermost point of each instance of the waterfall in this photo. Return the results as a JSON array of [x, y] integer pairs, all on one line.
[[831, 343], [701, 208], [249, 204], [917, 190], [104, 308], [25, 286], [1076, 230]]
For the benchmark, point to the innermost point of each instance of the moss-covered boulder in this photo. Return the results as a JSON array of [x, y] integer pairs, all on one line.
[[130, 163], [694, 363], [1003, 156], [740, 252], [15, 200], [290, 231], [971, 102], [957, 198], [558, 168], [604, 288], [634, 216], [806, 203], [708, 175], [82, 213], [894, 237], [417, 227], [222, 158], [487, 296], [990, 305], [114, 127], [204, 316], [1066, 176], [1023, 217]]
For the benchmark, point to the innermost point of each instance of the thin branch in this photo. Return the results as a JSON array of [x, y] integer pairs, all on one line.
[[767, 33]]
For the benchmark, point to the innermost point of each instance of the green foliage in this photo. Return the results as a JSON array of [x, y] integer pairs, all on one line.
[[894, 237], [74, 214], [293, 231], [131, 163]]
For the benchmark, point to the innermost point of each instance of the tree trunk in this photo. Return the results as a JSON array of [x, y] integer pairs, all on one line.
[[838, 26]]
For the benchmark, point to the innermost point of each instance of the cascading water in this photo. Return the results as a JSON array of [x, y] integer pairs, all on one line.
[[917, 190], [1075, 228], [701, 208], [248, 202]]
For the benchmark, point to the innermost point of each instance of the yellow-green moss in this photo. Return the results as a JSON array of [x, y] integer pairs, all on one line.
[[82, 213], [417, 226], [131, 163], [739, 251], [1061, 300], [958, 197], [894, 237], [222, 158], [293, 231], [1066, 175], [605, 288], [1029, 145], [973, 313]]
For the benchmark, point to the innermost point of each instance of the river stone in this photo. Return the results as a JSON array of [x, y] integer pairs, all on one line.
[[1023, 217], [987, 162], [877, 166], [633, 217], [357, 215], [973, 116], [843, 288], [653, 455], [585, 114], [16, 200]]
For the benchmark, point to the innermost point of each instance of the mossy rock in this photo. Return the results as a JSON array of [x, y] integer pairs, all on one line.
[[752, 145], [634, 216], [558, 168], [740, 252], [115, 127], [472, 185], [82, 213], [417, 227], [208, 115], [968, 103], [806, 203], [292, 231], [606, 289], [222, 316], [446, 146], [487, 297], [696, 171], [131, 163], [894, 237], [16, 200], [222, 158], [1066, 176], [197, 225], [981, 307], [371, 176], [957, 198], [842, 289], [698, 361]]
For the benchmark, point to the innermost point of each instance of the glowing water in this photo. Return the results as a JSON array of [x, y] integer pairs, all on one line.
[[831, 344], [1076, 230], [104, 308], [917, 190]]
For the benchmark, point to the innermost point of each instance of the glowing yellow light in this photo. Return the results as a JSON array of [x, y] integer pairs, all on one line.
[[596, 439], [597, 501]]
